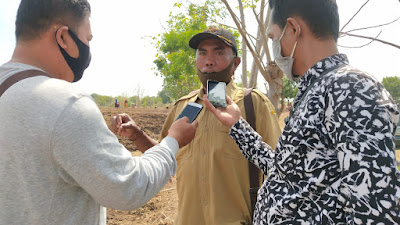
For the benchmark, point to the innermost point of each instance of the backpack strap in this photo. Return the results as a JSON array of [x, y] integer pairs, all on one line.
[[253, 170], [18, 77]]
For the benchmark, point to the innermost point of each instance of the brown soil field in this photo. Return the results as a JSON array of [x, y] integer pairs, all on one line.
[[161, 209]]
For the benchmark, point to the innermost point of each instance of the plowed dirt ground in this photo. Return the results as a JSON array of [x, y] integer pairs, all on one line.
[[161, 210]]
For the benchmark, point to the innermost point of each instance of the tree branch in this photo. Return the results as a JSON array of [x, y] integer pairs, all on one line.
[[255, 57], [362, 45], [354, 15], [261, 27], [376, 26], [371, 38], [235, 28]]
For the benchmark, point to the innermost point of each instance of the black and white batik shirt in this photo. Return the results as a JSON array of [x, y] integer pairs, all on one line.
[[335, 160]]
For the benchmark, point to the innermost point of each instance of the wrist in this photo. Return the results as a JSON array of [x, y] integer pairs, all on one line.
[[138, 132], [235, 122]]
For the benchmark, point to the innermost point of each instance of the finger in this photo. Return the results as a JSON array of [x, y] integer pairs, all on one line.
[[195, 123], [124, 118], [208, 105], [119, 120], [185, 119]]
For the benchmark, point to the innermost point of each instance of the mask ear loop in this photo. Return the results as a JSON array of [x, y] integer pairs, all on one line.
[[295, 44], [283, 32]]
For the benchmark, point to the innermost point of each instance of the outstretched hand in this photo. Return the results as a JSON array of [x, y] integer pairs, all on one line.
[[124, 125], [228, 115]]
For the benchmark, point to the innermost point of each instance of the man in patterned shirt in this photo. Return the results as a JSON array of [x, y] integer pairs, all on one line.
[[334, 162]]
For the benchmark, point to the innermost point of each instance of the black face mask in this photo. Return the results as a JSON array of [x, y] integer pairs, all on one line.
[[222, 76], [77, 65]]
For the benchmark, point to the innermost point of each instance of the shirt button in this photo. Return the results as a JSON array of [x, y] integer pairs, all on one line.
[[205, 203], [203, 177], [204, 153], [206, 129]]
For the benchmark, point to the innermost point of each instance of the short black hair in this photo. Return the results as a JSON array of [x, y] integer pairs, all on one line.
[[34, 17], [321, 16]]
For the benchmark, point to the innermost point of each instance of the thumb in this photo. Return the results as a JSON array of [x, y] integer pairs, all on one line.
[[195, 123], [185, 119], [229, 100], [208, 105], [119, 120]]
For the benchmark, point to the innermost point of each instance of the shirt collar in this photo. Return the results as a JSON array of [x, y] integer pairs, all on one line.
[[315, 71]]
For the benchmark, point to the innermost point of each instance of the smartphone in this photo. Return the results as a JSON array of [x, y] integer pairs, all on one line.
[[216, 93], [191, 111]]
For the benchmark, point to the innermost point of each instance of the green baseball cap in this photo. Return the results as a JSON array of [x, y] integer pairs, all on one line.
[[216, 33]]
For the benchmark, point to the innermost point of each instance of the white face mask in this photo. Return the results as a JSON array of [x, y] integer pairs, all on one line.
[[284, 63]]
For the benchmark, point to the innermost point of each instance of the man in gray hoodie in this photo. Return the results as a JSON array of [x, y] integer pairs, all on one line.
[[59, 162]]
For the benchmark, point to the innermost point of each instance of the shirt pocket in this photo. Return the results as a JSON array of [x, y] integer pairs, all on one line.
[[224, 142]]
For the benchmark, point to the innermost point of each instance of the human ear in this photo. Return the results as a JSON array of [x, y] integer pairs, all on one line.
[[294, 26], [237, 61], [60, 36], [65, 41]]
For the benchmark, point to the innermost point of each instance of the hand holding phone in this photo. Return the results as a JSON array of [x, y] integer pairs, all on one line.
[[216, 93], [183, 131], [191, 111]]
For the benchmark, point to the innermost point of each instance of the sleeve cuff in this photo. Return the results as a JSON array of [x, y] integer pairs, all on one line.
[[171, 144], [237, 126]]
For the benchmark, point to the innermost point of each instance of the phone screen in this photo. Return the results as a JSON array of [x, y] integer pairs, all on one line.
[[216, 93], [191, 111]]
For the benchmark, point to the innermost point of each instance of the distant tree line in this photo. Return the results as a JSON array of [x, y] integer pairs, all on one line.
[[161, 99], [392, 85]]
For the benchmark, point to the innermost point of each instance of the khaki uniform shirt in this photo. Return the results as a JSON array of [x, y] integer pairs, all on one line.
[[212, 174]]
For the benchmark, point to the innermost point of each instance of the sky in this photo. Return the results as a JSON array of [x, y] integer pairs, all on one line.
[[123, 52]]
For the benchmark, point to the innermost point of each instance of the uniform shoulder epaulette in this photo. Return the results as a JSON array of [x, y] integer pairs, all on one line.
[[257, 92], [190, 95], [262, 95]]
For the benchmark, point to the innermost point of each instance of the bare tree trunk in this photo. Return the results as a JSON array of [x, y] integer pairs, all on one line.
[[242, 32], [244, 47], [282, 106], [273, 77], [275, 84], [261, 46], [273, 93], [139, 92], [254, 68]]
